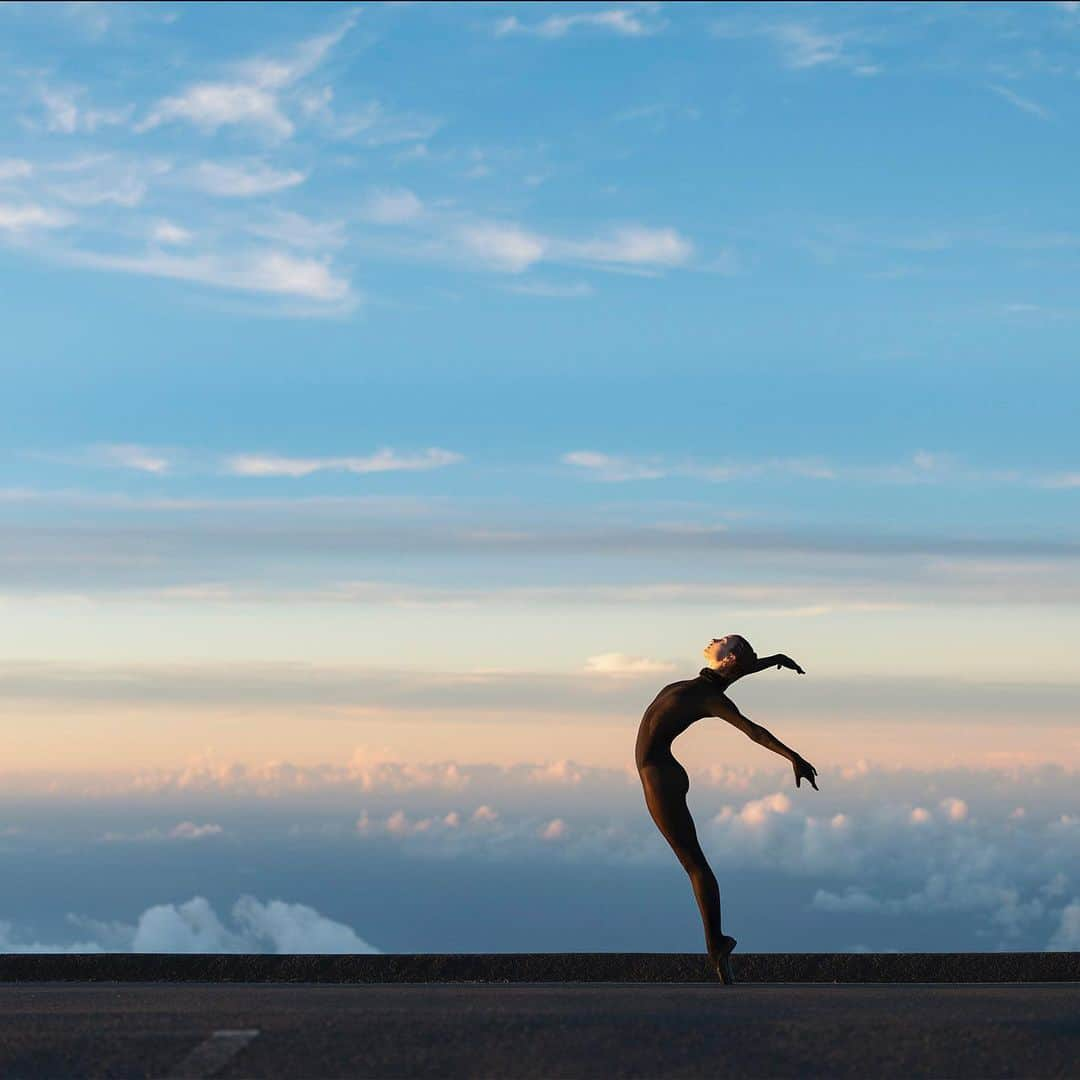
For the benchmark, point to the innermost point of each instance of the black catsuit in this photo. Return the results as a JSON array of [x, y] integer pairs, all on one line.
[[666, 783]]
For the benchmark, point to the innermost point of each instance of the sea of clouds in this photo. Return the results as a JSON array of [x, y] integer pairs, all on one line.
[[382, 855]]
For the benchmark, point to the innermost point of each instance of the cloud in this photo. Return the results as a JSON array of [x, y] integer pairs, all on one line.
[[801, 46], [194, 927], [23, 217], [297, 231], [367, 770], [211, 106], [611, 467], [272, 272], [185, 830], [561, 772], [805, 47], [1067, 936], [15, 169], [253, 96], [13, 942], [636, 21], [104, 180], [922, 467], [570, 290], [374, 124], [1022, 103], [758, 811], [129, 456], [243, 180], [384, 460], [620, 664], [188, 830], [65, 114], [392, 206], [1062, 480], [633, 246], [165, 232], [554, 829], [503, 247], [398, 823], [514, 248]]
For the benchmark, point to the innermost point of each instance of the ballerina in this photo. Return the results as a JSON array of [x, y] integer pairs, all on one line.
[[666, 782]]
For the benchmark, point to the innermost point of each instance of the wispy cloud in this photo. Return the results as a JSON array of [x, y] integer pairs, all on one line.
[[188, 830], [253, 96], [616, 468], [802, 45], [380, 461], [613, 467], [922, 467], [24, 217], [569, 290], [1022, 103], [166, 232], [65, 113], [271, 272], [617, 664], [514, 248], [503, 247], [374, 124], [805, 47], [211, 106], [632, 246], [637, 20], [130, 456], [1061, 480], [242, 180], [185, 830], [297, 231], [105, 180], [14, 169], [392, 206]]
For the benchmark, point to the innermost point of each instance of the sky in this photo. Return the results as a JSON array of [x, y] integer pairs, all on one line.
[[398, 395]]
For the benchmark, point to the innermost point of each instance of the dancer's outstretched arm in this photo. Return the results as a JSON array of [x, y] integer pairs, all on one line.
[[726, 709], [777, 660]]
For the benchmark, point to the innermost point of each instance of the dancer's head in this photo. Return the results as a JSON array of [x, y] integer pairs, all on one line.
[[728, 654]]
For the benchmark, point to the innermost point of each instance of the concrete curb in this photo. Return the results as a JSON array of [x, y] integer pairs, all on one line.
[[540, 967]]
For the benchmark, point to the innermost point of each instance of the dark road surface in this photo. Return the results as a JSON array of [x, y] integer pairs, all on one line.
[[538, 1030]]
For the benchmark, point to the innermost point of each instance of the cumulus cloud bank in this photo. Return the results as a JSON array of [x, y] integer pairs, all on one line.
[[195, 927], [946, 858]]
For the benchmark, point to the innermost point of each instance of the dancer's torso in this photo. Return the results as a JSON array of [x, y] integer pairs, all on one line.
[[672, 711]]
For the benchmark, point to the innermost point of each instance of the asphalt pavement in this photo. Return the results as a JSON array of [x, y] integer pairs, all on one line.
[[299, 1030]]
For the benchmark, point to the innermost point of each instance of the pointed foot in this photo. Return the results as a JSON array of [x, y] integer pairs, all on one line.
[[722, 961]]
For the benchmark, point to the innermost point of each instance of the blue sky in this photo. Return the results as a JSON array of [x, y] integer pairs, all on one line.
[[434, 380]]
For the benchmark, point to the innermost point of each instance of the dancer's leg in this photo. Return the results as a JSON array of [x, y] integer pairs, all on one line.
[[665, 795]]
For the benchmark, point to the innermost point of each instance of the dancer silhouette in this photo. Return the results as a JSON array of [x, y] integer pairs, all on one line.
[[666, 782]]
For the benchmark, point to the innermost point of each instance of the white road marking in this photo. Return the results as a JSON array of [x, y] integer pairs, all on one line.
[[213, 1054]]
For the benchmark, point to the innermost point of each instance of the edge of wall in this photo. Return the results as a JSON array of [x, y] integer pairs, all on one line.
[[540, 967]]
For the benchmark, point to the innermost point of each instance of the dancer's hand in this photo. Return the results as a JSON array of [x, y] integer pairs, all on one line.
[[804, 771], [787, 662]]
